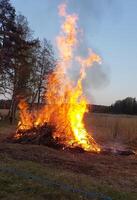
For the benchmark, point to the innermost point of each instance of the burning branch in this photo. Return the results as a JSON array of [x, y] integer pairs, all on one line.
[[66, 103]]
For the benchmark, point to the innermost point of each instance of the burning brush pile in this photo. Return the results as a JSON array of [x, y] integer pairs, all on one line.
[[59, 123]]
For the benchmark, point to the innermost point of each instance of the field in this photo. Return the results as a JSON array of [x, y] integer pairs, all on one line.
[[110, 127], [24, 168]]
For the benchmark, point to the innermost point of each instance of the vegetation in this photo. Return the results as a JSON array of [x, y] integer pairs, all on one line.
[[112, 127], [125, 106], [88, 172], [24, 60]]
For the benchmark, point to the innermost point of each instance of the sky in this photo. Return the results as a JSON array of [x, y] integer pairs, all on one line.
[[110, 29]]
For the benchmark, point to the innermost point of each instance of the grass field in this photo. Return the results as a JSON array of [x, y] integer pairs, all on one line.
[[121, 128], [113, 176]]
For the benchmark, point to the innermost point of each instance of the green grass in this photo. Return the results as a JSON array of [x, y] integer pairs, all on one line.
[[14, 187]]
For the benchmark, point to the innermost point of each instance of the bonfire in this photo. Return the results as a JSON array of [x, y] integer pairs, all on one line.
[[60, 121]]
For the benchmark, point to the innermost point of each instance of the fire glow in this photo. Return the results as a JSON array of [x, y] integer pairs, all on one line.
[[65, 102]]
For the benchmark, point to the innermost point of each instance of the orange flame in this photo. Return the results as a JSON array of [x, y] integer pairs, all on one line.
[[66, 103]]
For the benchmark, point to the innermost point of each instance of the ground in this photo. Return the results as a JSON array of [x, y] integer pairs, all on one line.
[[110, 175]]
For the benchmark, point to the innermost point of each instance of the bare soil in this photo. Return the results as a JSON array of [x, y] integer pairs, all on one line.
[[117, 171]]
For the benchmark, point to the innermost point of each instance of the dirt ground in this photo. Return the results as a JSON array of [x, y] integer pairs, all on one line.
[[118, 172], [115, 170]]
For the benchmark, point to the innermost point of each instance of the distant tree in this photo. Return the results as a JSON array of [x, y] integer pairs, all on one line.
[[125, 106]]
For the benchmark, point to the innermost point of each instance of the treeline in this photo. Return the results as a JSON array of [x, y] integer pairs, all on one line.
[[125, 106], [25, 61]]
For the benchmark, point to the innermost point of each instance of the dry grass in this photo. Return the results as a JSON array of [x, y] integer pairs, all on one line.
[[108, 127], [3, 111], [112, 127], [91, 172]]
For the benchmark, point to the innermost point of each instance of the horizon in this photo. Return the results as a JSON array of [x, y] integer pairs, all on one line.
[[105, 27]]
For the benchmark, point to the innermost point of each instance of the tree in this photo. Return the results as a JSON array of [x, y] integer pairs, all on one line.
[[7, 31], [45, 64], [24, 59], [16, 53], [125, 106]]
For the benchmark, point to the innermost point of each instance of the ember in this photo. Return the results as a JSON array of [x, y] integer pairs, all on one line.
[[122, 152], [37, 135], [60, 120]]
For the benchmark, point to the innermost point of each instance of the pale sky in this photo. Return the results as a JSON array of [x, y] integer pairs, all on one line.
[[110, 29]]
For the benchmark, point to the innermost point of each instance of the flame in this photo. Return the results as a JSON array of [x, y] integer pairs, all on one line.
[[65, 103], [25, 116]]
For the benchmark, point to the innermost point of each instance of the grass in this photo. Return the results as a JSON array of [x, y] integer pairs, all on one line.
[[103, 126], [113, 127], [112, 176], [14, 187], [6, 128]]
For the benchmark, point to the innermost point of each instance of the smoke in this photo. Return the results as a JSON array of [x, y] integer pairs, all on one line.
[[97, 78], [91, 14]]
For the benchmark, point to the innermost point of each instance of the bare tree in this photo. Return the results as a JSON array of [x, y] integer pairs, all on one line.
[[24, 62], [45, 64], [16, 55]]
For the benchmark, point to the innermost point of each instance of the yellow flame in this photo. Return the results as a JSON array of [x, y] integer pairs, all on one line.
[[26, 121], [66, 103]]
